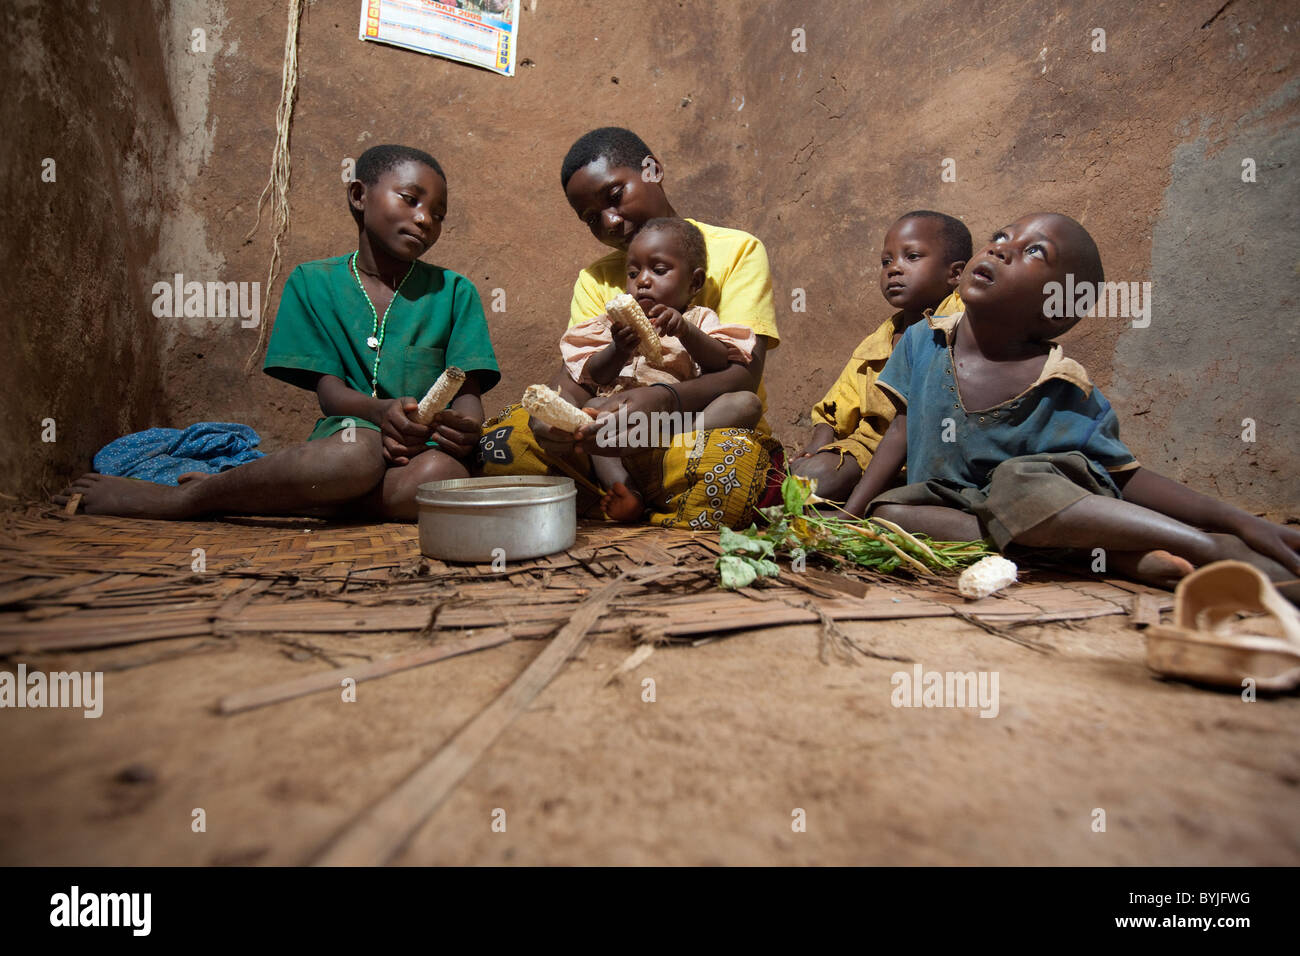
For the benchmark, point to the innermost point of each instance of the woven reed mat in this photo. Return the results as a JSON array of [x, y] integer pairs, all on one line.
[[88, 581]]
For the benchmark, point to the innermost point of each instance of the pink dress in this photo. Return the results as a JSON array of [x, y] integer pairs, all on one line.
[[584, 340]]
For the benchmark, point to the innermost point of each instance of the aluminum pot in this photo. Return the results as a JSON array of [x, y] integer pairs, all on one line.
[[526, 516]]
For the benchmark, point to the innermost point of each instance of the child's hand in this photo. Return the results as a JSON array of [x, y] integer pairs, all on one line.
[[637, 402], [667, 321], [456, 434], [822, 436], [1276, 541], [625, 341], [403, 437]]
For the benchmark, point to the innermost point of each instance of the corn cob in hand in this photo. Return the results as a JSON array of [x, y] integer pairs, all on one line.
[[551, 408], [439, 394], [623, 310]]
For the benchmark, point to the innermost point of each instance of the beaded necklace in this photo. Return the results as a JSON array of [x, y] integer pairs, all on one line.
[[376, 339]]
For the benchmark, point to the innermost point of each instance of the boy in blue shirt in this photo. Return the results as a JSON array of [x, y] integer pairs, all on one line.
[[1006, 438], [921, 260]]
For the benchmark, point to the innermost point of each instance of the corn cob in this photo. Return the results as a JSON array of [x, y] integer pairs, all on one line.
[[623, 310], [551, 408], [986, 576], [440, 394]]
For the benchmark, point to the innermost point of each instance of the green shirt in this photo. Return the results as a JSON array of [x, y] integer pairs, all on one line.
[[324, 319]]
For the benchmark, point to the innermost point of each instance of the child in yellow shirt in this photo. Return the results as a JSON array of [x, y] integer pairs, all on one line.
[[615, 185], [921, 260]]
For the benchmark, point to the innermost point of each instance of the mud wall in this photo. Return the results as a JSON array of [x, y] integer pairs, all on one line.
[[89, 140], [813, 140]]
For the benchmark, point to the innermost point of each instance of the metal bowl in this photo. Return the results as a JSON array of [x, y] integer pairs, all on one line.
[[469, 519]]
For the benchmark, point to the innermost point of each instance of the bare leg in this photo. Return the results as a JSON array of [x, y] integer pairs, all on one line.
[[622, 502], [731, 410], [836, 476], [393, 499], [609, 470], [1154, 566], [1118, 525], [576, 393], [940, 523], [300, 479]]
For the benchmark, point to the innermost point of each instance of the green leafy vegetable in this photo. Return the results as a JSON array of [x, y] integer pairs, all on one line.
[[736, 571], [873, 543]]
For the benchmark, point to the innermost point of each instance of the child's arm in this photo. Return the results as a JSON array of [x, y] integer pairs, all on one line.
[[691, 395], [710, 354], [1150, 490], [336, 398], [890, 456], [457, 429], [403, 438], [603, 367], [822, 436]]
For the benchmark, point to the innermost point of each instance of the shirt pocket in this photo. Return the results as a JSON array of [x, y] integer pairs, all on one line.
[[420, 369]]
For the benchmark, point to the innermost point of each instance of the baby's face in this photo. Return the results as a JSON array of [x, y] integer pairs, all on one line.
[[914, 273], [658, 272], [1010, 274]]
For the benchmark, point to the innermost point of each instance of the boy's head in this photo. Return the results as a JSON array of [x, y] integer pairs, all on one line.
[[399, 198], [922, 258], [614, 184], [666, 263], [1010, 277]]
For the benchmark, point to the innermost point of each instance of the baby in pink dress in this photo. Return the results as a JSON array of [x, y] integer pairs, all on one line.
[[666, 264]]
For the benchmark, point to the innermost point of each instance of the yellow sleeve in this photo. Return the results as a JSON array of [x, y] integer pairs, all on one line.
[[872, 426], [589, 298], [855, 398], [951, 305], [839, 408], [745, 294]]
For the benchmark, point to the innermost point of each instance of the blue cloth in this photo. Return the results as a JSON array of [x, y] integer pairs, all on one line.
[[164, 454], [1053, 416]]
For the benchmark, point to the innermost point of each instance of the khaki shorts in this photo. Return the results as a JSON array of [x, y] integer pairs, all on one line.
[[852, 446], [1021, 494]]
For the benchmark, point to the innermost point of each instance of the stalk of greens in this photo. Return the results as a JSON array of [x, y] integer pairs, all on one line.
[[796, 527]]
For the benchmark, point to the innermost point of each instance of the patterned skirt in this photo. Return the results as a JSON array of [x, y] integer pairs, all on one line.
[[703, 481]]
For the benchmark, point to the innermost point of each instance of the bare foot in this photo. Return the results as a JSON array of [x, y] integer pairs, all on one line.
[[623, 504], [128, 497], [1232, 548], [1159, 568]]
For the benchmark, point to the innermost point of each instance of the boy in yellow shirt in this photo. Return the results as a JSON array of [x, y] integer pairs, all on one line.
[[920, 262], [614, 184]]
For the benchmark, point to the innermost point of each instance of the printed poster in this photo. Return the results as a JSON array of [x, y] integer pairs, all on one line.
[[479, 32]]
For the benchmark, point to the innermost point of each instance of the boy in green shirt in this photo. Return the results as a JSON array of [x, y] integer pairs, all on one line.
[[368, 332]]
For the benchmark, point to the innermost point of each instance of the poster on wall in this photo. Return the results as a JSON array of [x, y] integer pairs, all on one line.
[[479, 32]]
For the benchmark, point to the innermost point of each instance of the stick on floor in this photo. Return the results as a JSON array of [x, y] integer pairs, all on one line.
[[330, 680], [380, 832]]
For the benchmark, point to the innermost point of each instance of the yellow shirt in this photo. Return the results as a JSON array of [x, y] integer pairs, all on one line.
[[855, 405], [737, 286]]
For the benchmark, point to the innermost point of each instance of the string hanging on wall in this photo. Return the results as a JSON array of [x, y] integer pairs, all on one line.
[[277, 186]]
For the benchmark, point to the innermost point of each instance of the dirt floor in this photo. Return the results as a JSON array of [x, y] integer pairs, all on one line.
[[744, 729]]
